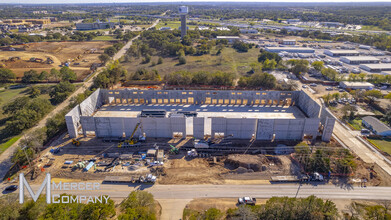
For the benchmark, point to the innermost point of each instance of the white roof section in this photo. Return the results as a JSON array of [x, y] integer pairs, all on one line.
[[290, 48], [386, 72], [361, 58], [377, 65], [355, 84], [289, 40], [227, 37], [344, 51]]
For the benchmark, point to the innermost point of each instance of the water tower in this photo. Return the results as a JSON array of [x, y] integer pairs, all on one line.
[[183, 10]]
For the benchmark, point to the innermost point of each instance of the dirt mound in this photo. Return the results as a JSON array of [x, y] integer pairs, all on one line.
[[195, 171], [253, 162]]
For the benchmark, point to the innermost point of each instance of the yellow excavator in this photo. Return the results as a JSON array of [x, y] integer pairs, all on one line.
[[75, 142]]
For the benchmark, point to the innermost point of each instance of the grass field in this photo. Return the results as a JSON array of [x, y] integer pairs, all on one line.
[[384, 145], [104, 38], [370, 28], [228, 61], [172, 25]]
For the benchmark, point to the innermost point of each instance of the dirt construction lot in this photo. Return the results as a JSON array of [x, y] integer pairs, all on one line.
[[80, 55]]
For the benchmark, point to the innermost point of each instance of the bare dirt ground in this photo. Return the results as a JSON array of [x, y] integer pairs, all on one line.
[[180, 169], [83, 54]]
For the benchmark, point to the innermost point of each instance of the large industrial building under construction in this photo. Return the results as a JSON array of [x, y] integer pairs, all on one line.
[[263, 115]]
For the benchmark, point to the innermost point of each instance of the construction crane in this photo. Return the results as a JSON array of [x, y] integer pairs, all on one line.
[[132, 140]]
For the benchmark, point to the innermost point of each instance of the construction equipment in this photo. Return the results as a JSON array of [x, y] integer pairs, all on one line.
[[192, 153], [174, 150], [13, 58], [37, 60], [49, 60], [132, 140], [75, 142]]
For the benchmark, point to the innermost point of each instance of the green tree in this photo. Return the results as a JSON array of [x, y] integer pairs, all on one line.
[[138, 205], [104, 58], [160, 60], [30, 76], [182, 60], [6, 75], [34, 92], [61, 91], [318, 65], [43, 75], [67, 74], [269, 64], [98, 211], [111, 51], [372, 95], [55, 74], [213, 214]]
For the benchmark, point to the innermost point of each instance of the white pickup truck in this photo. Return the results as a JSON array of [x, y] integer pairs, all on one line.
[[247, 200]]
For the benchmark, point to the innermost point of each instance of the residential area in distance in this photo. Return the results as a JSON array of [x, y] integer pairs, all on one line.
[[195, 110]]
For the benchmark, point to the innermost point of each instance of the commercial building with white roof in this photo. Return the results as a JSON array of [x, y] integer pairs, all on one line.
[[376, 68], [359, 59], [338, 53]]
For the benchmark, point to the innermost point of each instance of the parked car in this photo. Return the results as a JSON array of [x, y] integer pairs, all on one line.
[[329, 88], [365, 131], [11, 188], [247, 200], [305, 86], [313, 84]]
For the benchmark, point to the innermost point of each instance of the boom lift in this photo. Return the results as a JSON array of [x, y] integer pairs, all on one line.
[[132, 140]]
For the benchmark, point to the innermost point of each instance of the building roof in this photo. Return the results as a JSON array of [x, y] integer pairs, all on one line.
[[378, 65], [343, 51], [289, 40], [353, 84], [290, 48], [227, 37], [361, 58], [386, 72], [376, 125]]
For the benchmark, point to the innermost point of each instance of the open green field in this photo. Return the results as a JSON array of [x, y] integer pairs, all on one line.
[[370, 28], [228, 61], [384, 145], [173, 25], [6, 96], [104, 38]]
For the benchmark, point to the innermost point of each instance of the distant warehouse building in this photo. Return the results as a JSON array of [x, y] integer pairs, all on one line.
[[290, 49], [94, 26], [359, 59], [288, 42], [376, 126], [340, 53], [230, 39], [356, 85], [376, 68], [249, 31]]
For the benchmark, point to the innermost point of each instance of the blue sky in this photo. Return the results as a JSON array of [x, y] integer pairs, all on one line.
[[182, 1]]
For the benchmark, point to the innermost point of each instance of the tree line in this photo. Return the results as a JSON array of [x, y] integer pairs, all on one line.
[[138, 205]]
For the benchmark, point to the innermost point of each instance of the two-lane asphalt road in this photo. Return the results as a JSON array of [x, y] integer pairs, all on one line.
[[173, 198]]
